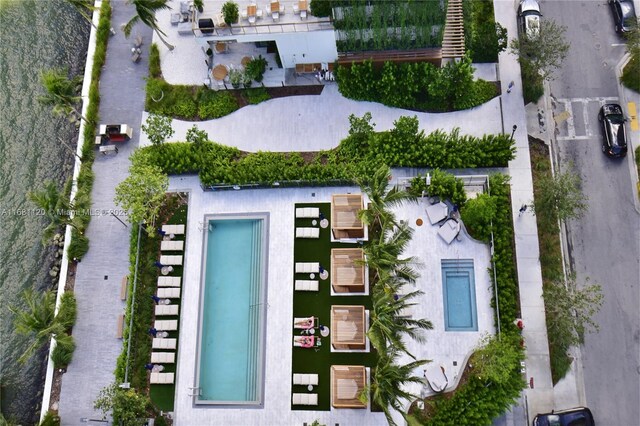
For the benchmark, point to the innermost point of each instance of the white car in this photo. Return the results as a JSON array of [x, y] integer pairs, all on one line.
[[529, 18]]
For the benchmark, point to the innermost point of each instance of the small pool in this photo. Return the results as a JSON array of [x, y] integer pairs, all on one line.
[[231, 345], [459, 295]]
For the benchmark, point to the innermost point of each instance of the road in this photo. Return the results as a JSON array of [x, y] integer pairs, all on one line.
[[604, 244]]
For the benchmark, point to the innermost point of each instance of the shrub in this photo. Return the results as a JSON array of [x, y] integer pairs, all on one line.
[[63, 352], [68, 310], [484, 38], [155, 71], [79, 245], [477, 216], [185, 105], [216, 104], [532, 84], [320, 8], [256, 68], [196, 136], [631, 73], [255, 96], [230, 12], [50, 419], [447, 186]]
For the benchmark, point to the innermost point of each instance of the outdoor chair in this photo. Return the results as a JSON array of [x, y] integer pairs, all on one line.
[[170, 245], [307, 267], [163, 357], [166, 310], [162, 378], [169, 281], [165, 325], [159, 343], [305, 379], [304, 323], [305, 399], [307, 212], [306, 233], [306, 285], [169, 293], [171, 260]]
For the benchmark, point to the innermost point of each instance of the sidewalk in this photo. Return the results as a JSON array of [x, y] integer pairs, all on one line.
[[98, 277], [540, 393]]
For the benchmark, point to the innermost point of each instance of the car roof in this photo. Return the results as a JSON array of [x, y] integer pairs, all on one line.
[[529, 6], [611, 109]]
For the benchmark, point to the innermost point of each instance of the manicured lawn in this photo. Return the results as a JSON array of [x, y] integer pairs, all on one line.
[[318, 304]]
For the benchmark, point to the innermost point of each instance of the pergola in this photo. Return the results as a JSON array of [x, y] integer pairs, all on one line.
[[347, 382], [347, 270], [345, 223], [348, 327]]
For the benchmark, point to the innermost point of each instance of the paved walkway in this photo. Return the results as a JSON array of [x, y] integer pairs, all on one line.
[[99, 275], [540, 396]]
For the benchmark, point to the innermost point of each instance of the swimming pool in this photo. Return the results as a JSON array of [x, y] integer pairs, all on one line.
[[229, 368], [459, 295]]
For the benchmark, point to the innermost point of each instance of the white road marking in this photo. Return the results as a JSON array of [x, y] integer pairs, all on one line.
[[618, 44], [600, 100], [571, 138], [585, 117]]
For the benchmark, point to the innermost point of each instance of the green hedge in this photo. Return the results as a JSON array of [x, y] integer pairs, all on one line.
[[443, 185], [357, 155], [484, 38], [79, 243], [63, 352], [416, 86]]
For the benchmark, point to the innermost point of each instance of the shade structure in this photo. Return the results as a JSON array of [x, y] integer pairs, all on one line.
[[347, 383], [348, 330], [348, 270], [345, 223]]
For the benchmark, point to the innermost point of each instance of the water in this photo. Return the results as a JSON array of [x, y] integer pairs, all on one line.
[[34, 35], [459, 294], [229, 350]]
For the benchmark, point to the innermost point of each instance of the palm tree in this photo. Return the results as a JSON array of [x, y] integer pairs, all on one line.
[[57, 209], [61, 93], [381, 199], [388, 325], [388, 379], [84, 8], [383, 254], [146, 13], [37, 319]]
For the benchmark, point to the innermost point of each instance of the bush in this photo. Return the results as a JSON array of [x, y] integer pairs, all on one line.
[[320, 8], [447, 186], [230, 12], [63, 352], [484, 38], [68, 310], [631, 73], [255, 96], [79, 245], [155, 71], [532, 84], [216, 104], [478, 214], [256, 68], [50, 419]]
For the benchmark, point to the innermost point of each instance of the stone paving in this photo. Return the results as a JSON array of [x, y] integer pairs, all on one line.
[[99, 275]]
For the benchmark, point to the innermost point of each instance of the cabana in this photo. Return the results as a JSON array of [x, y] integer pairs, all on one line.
[[348, 274], [348, 327], [345, 224], [347, 382]]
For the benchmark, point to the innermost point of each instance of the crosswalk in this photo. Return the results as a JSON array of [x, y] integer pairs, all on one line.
[[577, 118]]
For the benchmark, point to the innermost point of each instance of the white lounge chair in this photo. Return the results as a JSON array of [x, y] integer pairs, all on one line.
[[307, 267], [166, 310], [165, 325], [169, 293], [173, 229], [169, 281], [449, 230], [307, 285], [163, 357], [305, 399], [162, 378], [305, 379], [159, 343], [171, 260], [171, 245], [307, 212], [437, 212], [305, 233]]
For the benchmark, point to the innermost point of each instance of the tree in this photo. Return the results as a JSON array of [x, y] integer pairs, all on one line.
[[383, 254], [489, 39], [230, 12], [127, 406], [570, 310], [61, 93], [478, 214], [57, 209], [543, 52], [496, 357], [38, 320], [146, 13], [158, 128], [559, 198], [142, 194], [388, 384], [85, 8], [197, 136], [361, 126]]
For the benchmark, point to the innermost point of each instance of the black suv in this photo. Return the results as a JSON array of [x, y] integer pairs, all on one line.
[[624, 15], [614, 136], [580, 416]]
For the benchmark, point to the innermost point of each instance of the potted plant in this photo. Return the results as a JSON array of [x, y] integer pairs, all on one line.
[[199, 4], [230, 12], [256, 68], [235, 78], [247, 79]]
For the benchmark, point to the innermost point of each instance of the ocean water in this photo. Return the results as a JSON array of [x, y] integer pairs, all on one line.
[[34, 35]]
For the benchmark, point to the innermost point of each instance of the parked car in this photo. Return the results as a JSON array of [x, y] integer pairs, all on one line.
[[580, 416], [529, 18], [614, 135], [624, 15]]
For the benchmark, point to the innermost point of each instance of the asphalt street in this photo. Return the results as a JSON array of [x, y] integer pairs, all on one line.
[[604, 244]]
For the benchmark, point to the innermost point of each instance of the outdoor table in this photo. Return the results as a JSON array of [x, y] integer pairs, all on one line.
[[245, 60], [220, 47], [302, 5], [324, 275], [324, 331], [324, 223], [252, 10], [219, 72]]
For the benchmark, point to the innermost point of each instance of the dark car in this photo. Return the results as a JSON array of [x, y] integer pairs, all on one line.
[[624, 15], [580, 416], [529, 18], [614, 136]]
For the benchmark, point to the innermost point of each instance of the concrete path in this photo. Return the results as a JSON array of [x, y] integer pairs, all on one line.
[[99, 275], [540, 394]]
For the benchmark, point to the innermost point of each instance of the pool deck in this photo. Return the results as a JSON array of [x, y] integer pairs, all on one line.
[[442, 347]]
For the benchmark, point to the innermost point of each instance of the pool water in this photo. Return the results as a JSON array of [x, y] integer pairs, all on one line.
[[231, 328], [459, 295]]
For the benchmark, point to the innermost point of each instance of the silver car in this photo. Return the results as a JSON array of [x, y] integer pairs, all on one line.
[[529, 18]]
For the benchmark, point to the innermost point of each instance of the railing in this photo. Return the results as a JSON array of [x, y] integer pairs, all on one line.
[[267, 28]]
